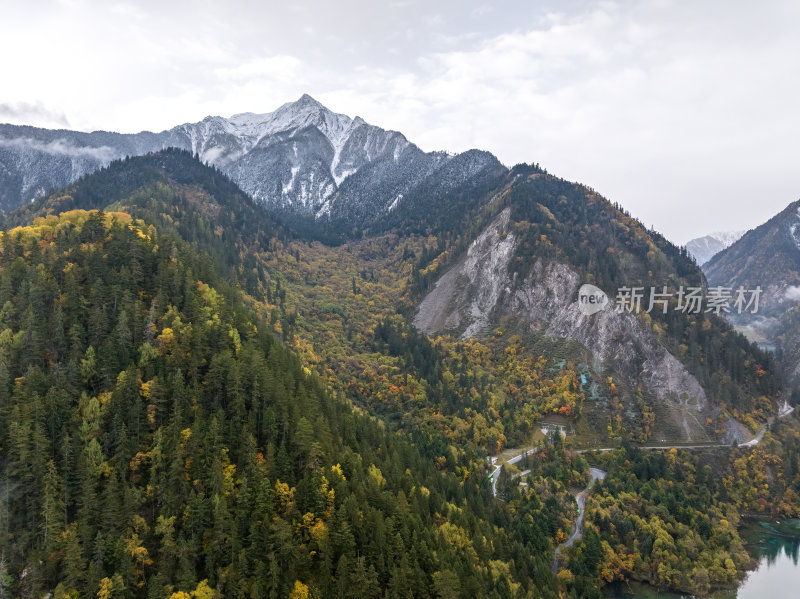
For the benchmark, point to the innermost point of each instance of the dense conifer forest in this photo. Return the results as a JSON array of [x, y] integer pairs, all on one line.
[[197, 401]]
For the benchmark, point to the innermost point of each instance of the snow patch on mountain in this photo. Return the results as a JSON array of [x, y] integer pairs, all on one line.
[[393, 205], [342, 176], [793, 231], [288, 187]]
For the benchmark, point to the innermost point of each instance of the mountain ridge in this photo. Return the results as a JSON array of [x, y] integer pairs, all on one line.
[[768, 257], [223, 427], [704, 248], [296, 160]]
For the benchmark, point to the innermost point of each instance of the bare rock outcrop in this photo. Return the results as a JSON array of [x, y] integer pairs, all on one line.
[[479, 291]]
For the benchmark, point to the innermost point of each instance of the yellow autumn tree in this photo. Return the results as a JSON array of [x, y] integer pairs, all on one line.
[[299, 591]]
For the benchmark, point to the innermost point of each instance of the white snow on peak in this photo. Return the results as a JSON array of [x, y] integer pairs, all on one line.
[[223, 141], [727, 238], [294, 116], [249, 128], [704, 248]]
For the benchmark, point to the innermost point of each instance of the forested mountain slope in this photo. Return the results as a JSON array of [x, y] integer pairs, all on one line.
[[156, 439], [533, 241], [769, 257], [165, 435]]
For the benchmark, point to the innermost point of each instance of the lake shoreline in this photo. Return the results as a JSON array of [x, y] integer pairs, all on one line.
[[767, 541]]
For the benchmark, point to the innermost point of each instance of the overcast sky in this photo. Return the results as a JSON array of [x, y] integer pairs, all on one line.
[[686, 113]]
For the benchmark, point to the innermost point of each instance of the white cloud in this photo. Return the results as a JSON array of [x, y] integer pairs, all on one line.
[[683, 112], [483, 9], [60, 147], [689, 133], [23, 113], [280, 66]]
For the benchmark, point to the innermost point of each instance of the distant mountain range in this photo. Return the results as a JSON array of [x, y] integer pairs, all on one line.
[[704, 248], [768, 257], [302, 159]]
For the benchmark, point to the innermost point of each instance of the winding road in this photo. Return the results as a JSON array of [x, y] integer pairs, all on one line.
[[580, 499], [784, 411], [512, 460], [532, 450], [597, 474]]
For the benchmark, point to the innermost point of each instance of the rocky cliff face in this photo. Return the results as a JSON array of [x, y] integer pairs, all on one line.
[[479, 292], [466, 296]]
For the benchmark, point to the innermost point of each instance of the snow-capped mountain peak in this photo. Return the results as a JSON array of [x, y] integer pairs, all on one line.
[[293, 116], [704, 248], [340, 145], [300, 158]]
